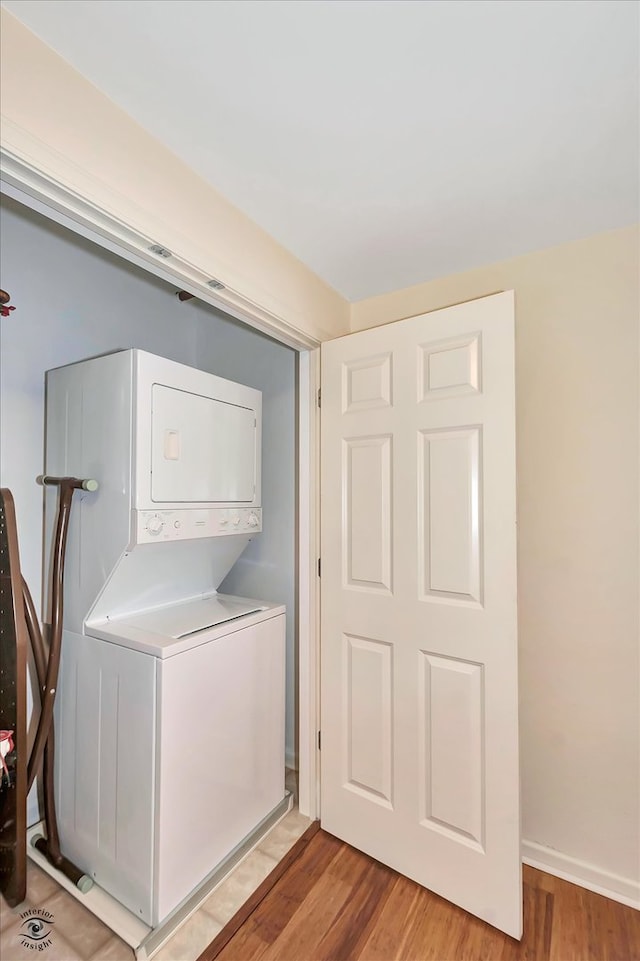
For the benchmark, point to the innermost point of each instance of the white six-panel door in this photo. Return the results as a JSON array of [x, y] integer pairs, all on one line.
[[419, 695]]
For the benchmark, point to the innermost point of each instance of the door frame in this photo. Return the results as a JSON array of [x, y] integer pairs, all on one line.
[[34, 189]]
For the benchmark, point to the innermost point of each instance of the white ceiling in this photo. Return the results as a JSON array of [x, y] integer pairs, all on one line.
[[383, 143]]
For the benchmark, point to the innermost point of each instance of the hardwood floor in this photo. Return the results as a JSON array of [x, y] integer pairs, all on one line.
[[332, 903]]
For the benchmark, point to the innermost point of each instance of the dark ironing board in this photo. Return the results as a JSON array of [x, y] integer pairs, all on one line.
[[18, 626], [13, 711]]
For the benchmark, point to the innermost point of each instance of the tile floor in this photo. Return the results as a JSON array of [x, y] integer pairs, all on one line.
[[76, 935]]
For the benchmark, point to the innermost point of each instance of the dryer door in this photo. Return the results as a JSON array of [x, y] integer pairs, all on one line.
[[203, 450]]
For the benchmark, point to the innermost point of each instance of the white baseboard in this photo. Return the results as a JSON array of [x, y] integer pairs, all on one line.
[[624, 890]]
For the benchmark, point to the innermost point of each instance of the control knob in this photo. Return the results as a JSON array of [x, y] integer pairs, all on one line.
[[155, 525]]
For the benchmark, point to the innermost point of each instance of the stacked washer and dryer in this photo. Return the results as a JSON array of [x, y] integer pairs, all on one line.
[[170, 709]]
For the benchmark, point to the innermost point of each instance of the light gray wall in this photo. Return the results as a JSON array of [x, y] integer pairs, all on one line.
[[74, 300]]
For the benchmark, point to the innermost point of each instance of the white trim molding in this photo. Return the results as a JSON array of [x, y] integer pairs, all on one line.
[[589, 876], [308, 437], [45, 194]]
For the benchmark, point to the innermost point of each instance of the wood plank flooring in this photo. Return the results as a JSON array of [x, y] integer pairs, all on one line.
[[333, 903]]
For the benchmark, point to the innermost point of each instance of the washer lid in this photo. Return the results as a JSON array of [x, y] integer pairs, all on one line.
[[190, 617], [176, 628]]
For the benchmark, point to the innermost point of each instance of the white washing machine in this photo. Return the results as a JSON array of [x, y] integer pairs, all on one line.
[[170, 708]]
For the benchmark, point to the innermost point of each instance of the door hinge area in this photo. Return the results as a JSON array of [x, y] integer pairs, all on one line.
[[319, 397], [319, 567], [319, 740]]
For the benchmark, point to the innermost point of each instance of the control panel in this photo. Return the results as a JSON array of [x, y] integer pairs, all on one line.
[[181, 525]]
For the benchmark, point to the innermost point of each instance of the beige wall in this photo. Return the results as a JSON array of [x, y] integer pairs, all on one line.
[[577, 421], [55, 119]]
